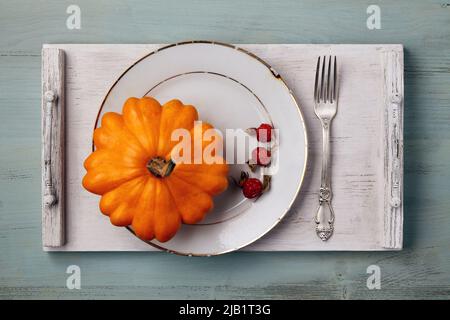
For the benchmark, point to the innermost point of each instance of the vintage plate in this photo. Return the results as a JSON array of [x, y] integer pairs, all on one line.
[[231, 88]]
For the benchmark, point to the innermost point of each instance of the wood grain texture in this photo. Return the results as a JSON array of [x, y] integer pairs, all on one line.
[[53, 145], [359, 169], [420, 271], [392, 61]]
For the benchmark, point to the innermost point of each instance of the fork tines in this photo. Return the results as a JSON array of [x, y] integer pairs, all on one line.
[[326, 78]]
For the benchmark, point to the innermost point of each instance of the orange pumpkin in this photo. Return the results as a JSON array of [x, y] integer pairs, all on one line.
[[132, 169]]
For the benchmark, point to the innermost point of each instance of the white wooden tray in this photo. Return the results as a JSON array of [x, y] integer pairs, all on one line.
[[367, 146]]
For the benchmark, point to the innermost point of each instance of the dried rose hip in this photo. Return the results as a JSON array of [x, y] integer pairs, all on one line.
[[252, 188], [264, 133], [261, 156]]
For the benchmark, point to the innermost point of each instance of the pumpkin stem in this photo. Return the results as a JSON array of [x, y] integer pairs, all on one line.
[[160, 167]]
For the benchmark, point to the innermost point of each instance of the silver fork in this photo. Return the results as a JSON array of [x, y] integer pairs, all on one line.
[[325, 107]]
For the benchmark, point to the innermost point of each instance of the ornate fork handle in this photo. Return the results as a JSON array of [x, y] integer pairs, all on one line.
[[325, 215]]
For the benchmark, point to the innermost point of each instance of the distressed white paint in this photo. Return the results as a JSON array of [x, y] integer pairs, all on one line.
[[357, 143], [393, 140], [53, 224]]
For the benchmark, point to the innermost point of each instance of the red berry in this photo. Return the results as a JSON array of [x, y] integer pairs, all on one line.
[[264, 132], [261, 156], [252, 188]]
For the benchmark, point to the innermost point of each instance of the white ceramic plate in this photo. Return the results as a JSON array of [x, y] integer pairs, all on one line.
[[231, 89]]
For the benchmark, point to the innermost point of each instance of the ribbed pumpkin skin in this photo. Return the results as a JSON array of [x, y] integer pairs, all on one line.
[[131, 195]]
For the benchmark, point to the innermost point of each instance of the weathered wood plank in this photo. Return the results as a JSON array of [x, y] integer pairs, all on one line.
[[392, 61], [357, 147], [53, 159]]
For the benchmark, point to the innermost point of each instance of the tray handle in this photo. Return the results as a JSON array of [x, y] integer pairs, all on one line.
[[53, 103], [393, 153]]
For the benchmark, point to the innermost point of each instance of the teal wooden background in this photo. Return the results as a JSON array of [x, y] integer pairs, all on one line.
[[421, 270]]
